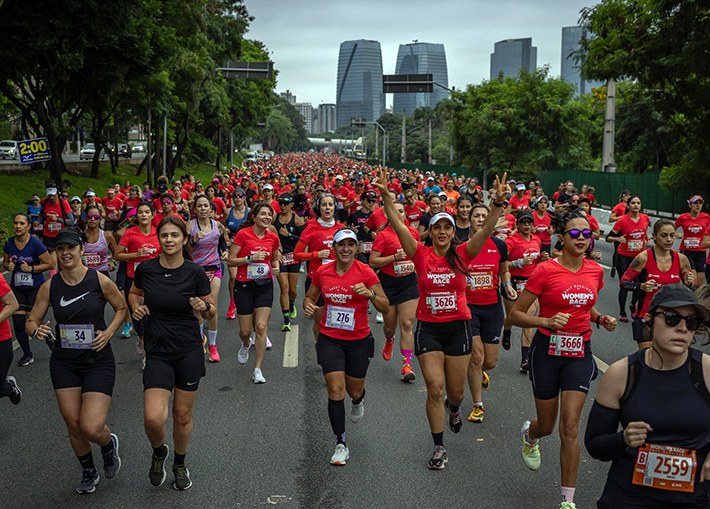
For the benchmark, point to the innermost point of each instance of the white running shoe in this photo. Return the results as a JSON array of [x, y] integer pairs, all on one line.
[[357, 411], [340, 456], [243, 354], [379, 318], [268, 343], [258, 377], [252, 340]]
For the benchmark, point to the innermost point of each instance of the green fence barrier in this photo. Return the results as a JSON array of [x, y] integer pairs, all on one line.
[[655, 198]]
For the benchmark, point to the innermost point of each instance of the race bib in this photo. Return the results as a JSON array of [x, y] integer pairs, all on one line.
[[258, 271], [665, 468], [338, 317], [92, 259], [691, 242], [481, 281], [403, 268], [327, 261], [288, 259], [441, 302], [38, 228], [566, 345], [365, 247], [77, 336], [520, 286], [635, 245], [210, 274], [54, 227], [414, 224], [112, 216], [23, 279]]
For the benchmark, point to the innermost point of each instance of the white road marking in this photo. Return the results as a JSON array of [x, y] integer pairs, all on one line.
[[603, 366], [604, 266], [291, 348]]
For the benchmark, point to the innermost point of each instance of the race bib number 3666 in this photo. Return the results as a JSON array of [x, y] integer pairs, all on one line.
[[665, 467]]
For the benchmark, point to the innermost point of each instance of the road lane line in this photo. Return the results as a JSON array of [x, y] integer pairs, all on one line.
[[604, 266], [603, 366], [291, 348]]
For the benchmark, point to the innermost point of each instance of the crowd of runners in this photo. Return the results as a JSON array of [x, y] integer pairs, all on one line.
[[451, 265]]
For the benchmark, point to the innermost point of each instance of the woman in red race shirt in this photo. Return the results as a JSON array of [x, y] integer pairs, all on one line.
[[542, 223], [399, 283], [317, 238], [138, 244], [694, 225], [524, 252], [255, 251], [489, 271], [561, 362], [663, 266], [443, 337], [631, 232], [8, 306], [344, 345]]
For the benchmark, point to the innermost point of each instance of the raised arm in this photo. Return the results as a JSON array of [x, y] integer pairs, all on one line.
[[475, 243], [409, 243]]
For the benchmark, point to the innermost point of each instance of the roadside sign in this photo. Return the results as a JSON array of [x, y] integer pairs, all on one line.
[[34, 151], [248, 70], [358, 122], [407, 83]]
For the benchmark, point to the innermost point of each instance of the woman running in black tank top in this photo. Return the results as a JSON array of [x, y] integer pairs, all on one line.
[[82, 365]]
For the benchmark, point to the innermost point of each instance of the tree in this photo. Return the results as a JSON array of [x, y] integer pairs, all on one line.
[[279, 132], [662, 46]]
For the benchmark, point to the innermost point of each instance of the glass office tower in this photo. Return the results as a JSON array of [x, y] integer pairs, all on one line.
[[571, 42], [421, 58], [512, 55], [359, 88]]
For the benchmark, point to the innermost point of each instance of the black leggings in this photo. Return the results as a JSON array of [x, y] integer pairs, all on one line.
[[19, 322], [5, 362], [622, 263]]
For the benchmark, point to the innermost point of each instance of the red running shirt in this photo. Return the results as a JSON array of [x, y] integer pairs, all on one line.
[[508, 229], [519, 203], [518, 247], [345, 312], [542, 228], [133, 240], [442, 292], [619, 209], [560, 290], [693, 230], [5, 332], [482, 286], [113, 208], [251, 244], [316, 238], [635, 233], [661, 278], [414, 213], [387, 243]]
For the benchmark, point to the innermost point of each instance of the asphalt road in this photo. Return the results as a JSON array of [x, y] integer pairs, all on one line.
[[257, 445]]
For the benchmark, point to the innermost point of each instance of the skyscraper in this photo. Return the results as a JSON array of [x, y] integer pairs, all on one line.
[[326, 118], [306, 111], [571, 42], [359, 86], [421, 58], [511, 55]]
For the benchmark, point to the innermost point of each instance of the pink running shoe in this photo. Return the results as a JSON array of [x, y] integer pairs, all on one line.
[[214, 356], [231, 311]]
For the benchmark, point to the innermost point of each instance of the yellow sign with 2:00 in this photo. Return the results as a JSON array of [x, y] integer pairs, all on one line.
[[33, 151]]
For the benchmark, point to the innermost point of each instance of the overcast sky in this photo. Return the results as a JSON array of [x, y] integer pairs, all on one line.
[[304, 36]]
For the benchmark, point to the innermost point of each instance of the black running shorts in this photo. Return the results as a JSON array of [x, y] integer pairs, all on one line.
[[453, 338], [696, 259], [399, 289], [248, 296], [26, 297], [92, 371], [487, 322], [349, 355], [181, 370]]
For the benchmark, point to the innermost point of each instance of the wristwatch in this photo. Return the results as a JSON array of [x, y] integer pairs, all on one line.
[[208, 305]]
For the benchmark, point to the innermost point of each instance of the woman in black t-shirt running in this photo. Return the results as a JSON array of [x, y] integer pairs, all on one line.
[[173, 345]]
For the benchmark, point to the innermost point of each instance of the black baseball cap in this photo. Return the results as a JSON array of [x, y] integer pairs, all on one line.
[[369, 194], [523, 214], [675, 296], [68, 236]]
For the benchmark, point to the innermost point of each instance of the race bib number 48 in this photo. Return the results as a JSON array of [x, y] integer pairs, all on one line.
[[258, 271], [665, 467]]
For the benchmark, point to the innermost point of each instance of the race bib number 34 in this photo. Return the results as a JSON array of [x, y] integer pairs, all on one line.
[[77, 336], [665, 467]]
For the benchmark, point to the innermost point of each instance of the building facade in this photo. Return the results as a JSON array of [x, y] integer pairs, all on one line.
[[512, 55], [421, 58], [359, 82], [571, 42], [326, 118], [306, 111]]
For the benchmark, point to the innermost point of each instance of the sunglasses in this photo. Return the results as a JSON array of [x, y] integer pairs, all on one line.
[[672, 319], [35, 199], [369, 200], [239, 195], [166, 202], [76, 201], [92, 216], [587, 234], [285, 202]]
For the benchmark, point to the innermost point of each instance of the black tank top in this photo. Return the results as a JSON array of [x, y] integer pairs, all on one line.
[[288, 244], [676, 404], [83, 303]]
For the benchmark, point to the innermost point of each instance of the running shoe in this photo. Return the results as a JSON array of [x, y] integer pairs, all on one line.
[[438, 460], [16, 395], [369, 311], [126, 332], [26, 360], [182, 478], [476, 414], [387, 350], [286, 327], [112, 461], [293, 313], [531, 452], [623, 318], [269, 346], [214, 356], [231, 311], [204, 344], [89, 479], [505, 342], [568, 505], [157, 468], [258, 377], [453, 419], [524, 366], [243, 354], [302, 269], [407, 374], [252, 339], [357, 411], [485, 382], [139, 347], [143, 362], [613, 272], [379, 318], [340, 456]]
